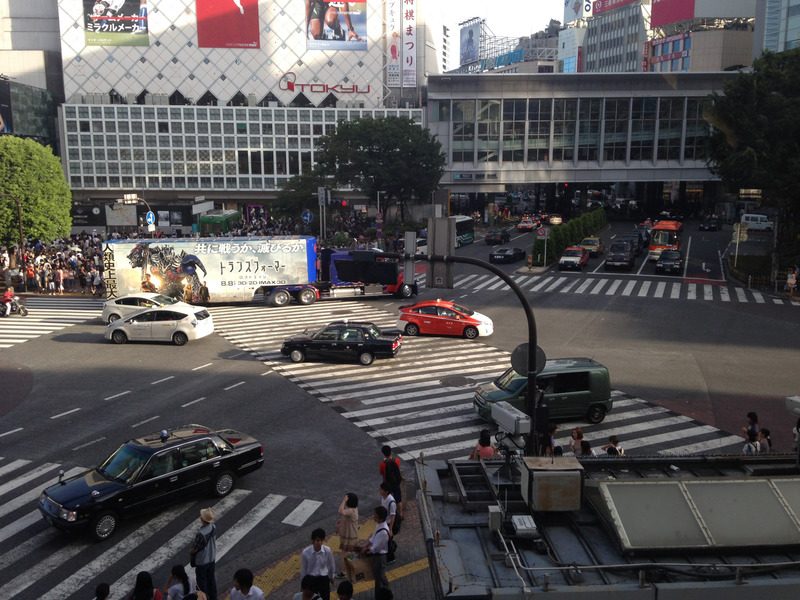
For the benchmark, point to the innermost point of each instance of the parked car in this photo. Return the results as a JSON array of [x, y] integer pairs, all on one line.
[[177, 323], [620, 255], [593, 245], [526, 225], [710, 224], [443, 317], [344, 340], [636, 240], [573, 388], [555, 219], [149, 473], [127, 305], [574, 258], [670, 261], [506, 255], [497, 236]]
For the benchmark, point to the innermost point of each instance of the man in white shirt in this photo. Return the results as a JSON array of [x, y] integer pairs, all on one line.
[[378, 546], [317, 561], [388, 502], [243, 588]]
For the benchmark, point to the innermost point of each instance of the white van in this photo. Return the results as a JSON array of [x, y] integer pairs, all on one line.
[[757, 222]]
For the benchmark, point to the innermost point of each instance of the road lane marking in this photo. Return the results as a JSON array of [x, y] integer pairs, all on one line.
[[69, 412], [88, 443], [235, 385], [629, 288], [247, 523], [126, 392], [14, 465], [162, 380], [11, 431], [30, 496], [644, 289], [145, 421], [301, 514], [193, 402], [202, 366]]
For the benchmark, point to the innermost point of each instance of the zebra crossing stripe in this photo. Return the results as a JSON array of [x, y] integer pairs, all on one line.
[[570, 285], [740, 295], [246, 524], [22, 480], [302, 512], [613, 287], [426, 403], [23, 523], [541, 284], [758, 297], [480, 286], [660, 287], [691, 291], [708, 292], [418, 426], [644, 289], [558, 282], [12, 466], [582, 288], [629, 288], [724, 295], [30, 496], [600, 285]]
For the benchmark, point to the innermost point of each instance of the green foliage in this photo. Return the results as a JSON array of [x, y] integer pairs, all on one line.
[[392, 155], [31, 173], [753, 142], [298, 193]]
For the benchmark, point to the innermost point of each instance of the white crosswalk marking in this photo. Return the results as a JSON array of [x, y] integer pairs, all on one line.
[[724, 295], [691, 291], [708, 292], [599, 286], [582, 288], [47, 314], [541, 284], [741, 295], [643, 290], [629, 288], [303, 511], [660, 286], [676, 291]]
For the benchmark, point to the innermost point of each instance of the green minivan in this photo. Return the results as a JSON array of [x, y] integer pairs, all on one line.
[[573, 388]]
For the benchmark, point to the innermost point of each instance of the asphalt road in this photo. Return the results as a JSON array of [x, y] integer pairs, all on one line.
[[76, 397]]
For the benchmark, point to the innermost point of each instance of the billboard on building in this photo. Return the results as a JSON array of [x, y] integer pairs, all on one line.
[[394, 28], [116, 22], [665, 12], [332, 25], [577, 9], [470, 43], [227, 24], [730, 9], [409, 43], [6, 121], [601, 6]]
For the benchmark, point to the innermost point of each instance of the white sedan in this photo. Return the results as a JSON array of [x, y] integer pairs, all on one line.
[[176, 324], [127, 305]]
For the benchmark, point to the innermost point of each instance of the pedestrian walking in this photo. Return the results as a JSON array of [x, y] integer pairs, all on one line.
[[317, 561], [306, 589], [752, 424], [575, 439], [484, 448], [393, 476], [347, 527], [390, 504], [751, 446], [377, 547], [144, 589], [204, 551], [243, 588], [179, 585], [764, 441]]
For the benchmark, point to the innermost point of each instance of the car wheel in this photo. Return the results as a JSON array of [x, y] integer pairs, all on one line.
[[103, 525], [297, 355], [405, 291], [412, 329], [596, 414], [470, 332], [366, 358], [112, 318], [279, 298], [119, 337], [223, 484], [307, 296], [180, 338]]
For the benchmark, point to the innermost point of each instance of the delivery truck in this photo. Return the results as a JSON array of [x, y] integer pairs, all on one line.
[[276, 270]]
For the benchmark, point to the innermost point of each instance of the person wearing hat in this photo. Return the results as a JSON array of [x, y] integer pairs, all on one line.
[[204, 551]]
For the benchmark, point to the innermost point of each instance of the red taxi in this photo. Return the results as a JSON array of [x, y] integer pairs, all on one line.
[[442, 317]]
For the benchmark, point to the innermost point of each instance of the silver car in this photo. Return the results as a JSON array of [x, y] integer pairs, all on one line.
[[127, 305], [175, 323]]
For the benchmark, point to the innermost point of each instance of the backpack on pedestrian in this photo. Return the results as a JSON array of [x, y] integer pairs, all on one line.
[[394, 476]]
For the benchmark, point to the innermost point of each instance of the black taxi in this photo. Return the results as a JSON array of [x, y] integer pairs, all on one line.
[[149, 473], [348, 340]]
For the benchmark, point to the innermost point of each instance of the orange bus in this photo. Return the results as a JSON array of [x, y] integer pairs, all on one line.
[[665, 235]]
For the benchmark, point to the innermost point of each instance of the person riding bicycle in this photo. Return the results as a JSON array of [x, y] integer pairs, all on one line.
[[8, 298]]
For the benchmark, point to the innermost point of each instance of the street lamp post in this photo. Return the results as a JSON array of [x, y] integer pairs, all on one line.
[[21, 240], [379, 199]]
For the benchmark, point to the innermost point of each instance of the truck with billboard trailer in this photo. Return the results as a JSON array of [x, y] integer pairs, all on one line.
[[225, 270]]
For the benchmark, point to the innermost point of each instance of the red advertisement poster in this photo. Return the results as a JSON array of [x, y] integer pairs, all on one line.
[[227, 24], [665, 12], [601, 6]]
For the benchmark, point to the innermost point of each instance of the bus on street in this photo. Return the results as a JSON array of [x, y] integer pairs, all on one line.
[[665, 235], [465, 230]]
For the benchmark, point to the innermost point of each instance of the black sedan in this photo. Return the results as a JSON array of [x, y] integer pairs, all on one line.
[[497, 236], [710, 224], [346, 340], [506, 255], [149, 473], [670, 261]]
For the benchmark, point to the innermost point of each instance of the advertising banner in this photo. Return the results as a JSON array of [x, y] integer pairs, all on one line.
[[665, 12], [232, 269], [332, 25], [394, 24], [116, 22], [6, 120], [409, 43], [227, 24], [601, 6], [470, 43], [577, 9]]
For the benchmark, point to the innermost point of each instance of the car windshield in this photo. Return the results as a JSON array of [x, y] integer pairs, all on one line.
[[511, 381], [164, 300], [125, 464], [573, 253], [670, 255], [618, 248], [374, 331], [589, 243], [463, 309]]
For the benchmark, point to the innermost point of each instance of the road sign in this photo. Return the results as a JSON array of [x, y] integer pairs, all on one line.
[[151, 217], [307, 216], [739, 236], [542, 233], [519, 359], [321, 195], [379, 218]]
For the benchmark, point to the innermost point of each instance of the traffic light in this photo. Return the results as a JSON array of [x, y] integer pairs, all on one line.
[[344, 202]]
